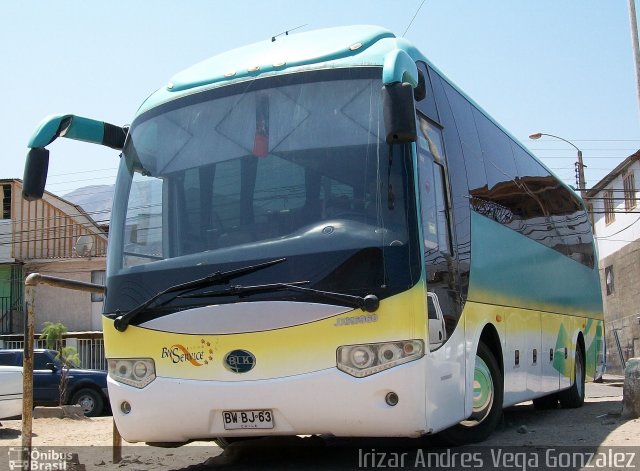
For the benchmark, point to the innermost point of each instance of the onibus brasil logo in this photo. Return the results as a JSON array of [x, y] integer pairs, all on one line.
[[38, 459], [198, 355]]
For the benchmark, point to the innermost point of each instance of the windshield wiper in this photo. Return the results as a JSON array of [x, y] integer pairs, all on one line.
[[368, 303], [121, 322]]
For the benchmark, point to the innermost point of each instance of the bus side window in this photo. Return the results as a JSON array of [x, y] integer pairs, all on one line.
[[433, 199], [437, 329]]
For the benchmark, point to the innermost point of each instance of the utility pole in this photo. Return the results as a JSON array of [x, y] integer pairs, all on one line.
[[579, 165], [634, 42]]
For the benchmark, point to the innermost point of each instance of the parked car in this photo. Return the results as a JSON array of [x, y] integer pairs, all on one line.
[[10, 391], [87, 388]]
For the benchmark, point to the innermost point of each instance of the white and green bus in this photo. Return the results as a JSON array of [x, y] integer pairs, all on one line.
[[322, 235]]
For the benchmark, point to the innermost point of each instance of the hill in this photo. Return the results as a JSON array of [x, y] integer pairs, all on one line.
[[96, 200]]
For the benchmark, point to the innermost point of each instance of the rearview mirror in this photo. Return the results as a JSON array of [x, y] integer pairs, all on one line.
[[35, 173], [399, 113]]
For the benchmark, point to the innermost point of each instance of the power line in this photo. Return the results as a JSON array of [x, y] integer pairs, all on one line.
[[414, 17], [83, 171], [599, 149], [594, 140], [621, 230], [586, 158]]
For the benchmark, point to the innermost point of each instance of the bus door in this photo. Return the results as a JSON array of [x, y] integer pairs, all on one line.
[[446, 388], [436, 232]]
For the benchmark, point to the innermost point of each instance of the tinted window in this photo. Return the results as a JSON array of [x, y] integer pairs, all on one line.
[[531, 212], [466, 125], [8, 359], [435, 217], [456, 178], [572, 225], [499, 164], [427, 105], [508, 185], [533, 202], [40, 360]]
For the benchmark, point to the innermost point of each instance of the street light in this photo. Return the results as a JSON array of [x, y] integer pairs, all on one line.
[[580, 182]]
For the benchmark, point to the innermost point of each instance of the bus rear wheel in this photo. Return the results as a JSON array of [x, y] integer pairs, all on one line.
[[487, 402], [574, 396]]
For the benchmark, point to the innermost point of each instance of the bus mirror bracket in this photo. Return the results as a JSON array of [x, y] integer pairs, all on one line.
[[399, 77], [399, 113]]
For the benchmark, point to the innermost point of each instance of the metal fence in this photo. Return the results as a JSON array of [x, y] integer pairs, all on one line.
[[13, 344], [6, 320], [91, 353]]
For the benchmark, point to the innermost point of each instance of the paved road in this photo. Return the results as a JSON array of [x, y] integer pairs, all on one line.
[[609, 389]]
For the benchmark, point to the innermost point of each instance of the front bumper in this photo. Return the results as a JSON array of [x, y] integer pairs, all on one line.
[[322, 402]]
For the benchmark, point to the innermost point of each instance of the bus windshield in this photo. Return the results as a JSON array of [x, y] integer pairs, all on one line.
[[292, 166]]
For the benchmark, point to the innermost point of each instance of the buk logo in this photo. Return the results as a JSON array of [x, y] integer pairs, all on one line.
[[239, 361]]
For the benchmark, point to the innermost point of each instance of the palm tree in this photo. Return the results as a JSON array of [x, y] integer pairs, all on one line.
[[67, 356]]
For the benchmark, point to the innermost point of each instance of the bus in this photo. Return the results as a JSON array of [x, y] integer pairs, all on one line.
[[320, 234]]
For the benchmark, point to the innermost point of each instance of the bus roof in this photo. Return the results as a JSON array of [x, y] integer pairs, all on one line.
[[349, 46]]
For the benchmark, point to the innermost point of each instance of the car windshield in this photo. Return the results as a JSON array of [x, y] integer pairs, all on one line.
[[293, 166], [42, 359]]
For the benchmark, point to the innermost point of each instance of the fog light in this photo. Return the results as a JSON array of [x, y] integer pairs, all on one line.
[[125, 407], [391, 399]]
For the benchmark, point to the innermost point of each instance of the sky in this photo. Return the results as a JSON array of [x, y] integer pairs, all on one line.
[[559, 67]]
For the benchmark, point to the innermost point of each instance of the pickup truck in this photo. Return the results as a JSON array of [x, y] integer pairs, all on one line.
[[88, 388]]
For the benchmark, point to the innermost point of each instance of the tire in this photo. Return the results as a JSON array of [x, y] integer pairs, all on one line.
[[574, 396], [546, 402], [90, 400], [487, 402]]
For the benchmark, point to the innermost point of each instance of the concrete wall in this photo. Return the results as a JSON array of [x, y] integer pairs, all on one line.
[[621, 306], [5, 240], [614, 236], [73, 308]]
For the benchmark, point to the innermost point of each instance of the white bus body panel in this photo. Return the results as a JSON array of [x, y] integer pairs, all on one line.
[[322, 402], [446, 403]]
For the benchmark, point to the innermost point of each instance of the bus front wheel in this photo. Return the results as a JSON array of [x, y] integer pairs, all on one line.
[[487, 402]]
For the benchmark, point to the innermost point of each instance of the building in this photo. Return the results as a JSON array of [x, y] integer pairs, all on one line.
[[616, 220], [54, 237]]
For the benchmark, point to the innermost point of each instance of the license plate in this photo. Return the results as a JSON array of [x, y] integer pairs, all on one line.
[[247, 419]]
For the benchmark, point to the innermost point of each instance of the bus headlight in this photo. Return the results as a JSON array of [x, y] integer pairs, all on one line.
[[365, 360], [136, 372], [361, 356]]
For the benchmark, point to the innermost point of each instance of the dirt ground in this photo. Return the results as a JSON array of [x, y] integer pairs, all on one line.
[[596, 424]]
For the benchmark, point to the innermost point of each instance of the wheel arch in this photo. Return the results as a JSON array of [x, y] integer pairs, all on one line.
[[489, 335], [491, 339], [579, 343], [486, 335], [83, 384]]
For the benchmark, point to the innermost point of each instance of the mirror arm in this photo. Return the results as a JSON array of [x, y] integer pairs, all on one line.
[[80, 129], [399, 67], [71, 127]]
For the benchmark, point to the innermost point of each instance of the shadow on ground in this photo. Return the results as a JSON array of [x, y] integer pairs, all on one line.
[[524, 430]]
